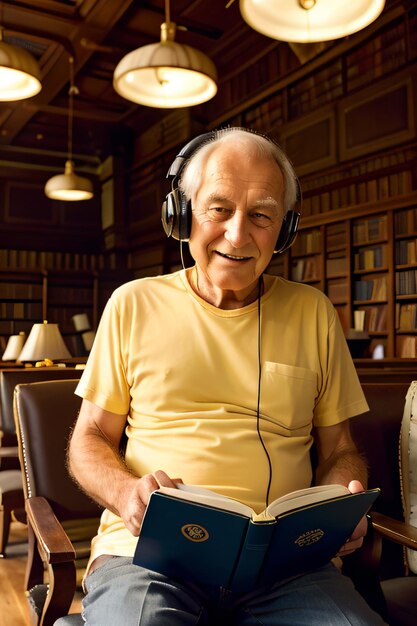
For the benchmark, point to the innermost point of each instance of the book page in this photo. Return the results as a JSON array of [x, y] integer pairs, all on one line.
[[192, 493], [288, 502], [303, 497]]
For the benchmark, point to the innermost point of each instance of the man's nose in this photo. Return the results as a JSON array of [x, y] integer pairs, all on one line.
[[237, 230]]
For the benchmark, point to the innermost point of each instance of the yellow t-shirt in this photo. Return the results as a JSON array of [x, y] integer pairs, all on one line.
[[186, 375]]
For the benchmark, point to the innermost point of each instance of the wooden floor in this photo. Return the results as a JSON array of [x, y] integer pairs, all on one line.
[[13, 603]]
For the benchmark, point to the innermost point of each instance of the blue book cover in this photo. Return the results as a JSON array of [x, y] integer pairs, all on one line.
[[197, 535]]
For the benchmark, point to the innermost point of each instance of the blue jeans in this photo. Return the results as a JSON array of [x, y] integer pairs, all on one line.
[[122, 594]]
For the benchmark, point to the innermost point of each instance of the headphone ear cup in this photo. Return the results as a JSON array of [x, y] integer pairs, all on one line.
[[184, 218], [288, 231], [176, 216]]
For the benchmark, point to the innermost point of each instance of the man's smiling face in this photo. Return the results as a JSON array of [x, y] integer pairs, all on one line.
[[237, 215]]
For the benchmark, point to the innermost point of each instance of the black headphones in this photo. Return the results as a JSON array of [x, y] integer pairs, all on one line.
[[176, 209]]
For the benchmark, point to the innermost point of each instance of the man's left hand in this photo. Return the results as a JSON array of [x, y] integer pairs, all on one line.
[[356, 540]]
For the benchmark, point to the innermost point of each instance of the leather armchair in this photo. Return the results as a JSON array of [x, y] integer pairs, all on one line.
[[11, 481], [384, 571], [378, 572], [61, 519]]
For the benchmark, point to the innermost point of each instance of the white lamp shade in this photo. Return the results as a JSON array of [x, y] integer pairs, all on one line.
[[69, 186], [81, 322], [14, 347], [288, 20], [166, 75], [88, 339], [19, 73], [44, 342]]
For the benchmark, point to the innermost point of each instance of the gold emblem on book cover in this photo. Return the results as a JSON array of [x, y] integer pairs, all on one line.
[[194, 532], [310, 537]]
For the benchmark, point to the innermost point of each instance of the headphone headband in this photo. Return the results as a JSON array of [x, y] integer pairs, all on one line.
[[176, 210], [187, 152]]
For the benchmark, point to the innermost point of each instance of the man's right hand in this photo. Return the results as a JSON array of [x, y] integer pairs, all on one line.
[[94, 446], [137, 498]]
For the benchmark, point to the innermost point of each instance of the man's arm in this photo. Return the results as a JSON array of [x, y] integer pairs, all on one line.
[[338, 458], [96, 464], [340, 462]]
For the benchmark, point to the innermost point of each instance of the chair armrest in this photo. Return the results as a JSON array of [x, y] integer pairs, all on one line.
[[51, 537], [55, 550], [395, 530]]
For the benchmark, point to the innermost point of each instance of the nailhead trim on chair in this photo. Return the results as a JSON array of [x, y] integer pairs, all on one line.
[[408, 464]]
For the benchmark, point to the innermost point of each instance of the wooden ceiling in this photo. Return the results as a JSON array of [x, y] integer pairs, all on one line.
[[98, 33]]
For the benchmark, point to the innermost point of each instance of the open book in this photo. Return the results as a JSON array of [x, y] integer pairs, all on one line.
[[197, 534]]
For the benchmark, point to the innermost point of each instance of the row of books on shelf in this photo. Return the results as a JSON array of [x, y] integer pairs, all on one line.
[[305, 269], [37, 260], [22, 291], [336, 235], [336, 265], [370, 258], [307, 242], [365, 168], [13, 327], [385, 186], [371, 289], [372, 318], [369, 230], [406, 346], [69, 294], [379, 56], [265, 115], [405, 221], [406, 251], [21, 310], [406, 316], [337, 290], [406, 283]]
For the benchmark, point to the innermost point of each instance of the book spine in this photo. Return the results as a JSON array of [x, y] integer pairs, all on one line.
[[252, 556]]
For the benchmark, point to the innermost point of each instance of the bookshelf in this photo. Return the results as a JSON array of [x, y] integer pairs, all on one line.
[[307, 258], [405, 263], [68, 293], [29, 297], [372, 297], [364, 257], [337, 265], [22, 301]]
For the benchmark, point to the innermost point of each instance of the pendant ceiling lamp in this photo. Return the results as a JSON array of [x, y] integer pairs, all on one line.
[[166, 74], [20, 76], [307, 21], [69, 186]]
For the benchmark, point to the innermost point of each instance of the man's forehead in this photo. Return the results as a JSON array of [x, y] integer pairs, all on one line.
[[265, 191]]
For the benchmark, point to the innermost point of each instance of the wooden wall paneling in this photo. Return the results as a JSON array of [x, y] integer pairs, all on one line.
[[378, 117], [310, 141], [26, 203], [173, 130]]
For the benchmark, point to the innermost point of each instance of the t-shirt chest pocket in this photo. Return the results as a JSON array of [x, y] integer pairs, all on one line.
[[288, 395]]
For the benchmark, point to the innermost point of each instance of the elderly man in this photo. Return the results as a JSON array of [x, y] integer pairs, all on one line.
[[221, 376]]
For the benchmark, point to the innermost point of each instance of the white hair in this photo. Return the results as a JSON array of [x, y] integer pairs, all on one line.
[[192, 174]]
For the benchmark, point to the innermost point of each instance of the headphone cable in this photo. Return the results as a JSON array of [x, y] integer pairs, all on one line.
[[182, 256], [260, 283]]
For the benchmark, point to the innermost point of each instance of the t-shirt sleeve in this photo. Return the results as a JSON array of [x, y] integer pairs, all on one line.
[[341, 395], [104, 381]]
